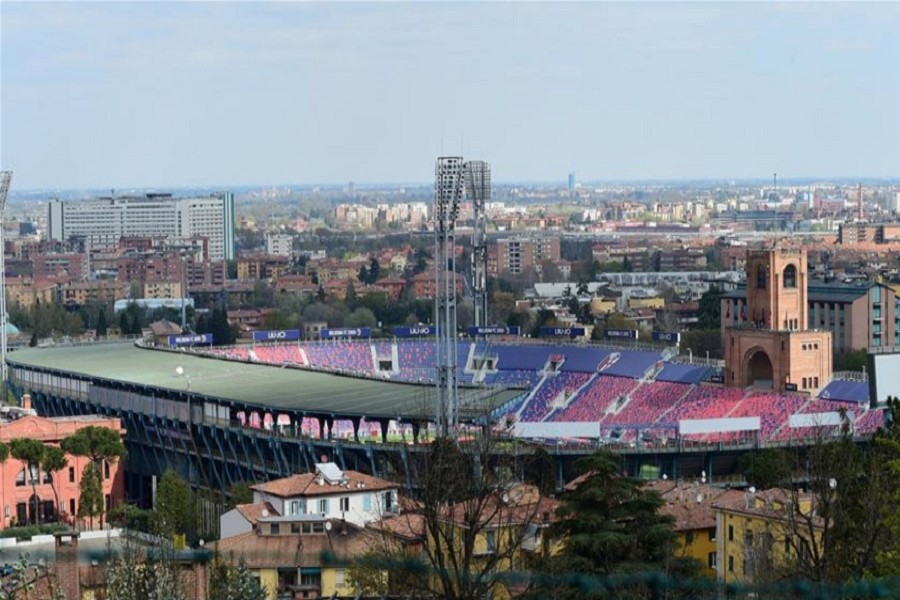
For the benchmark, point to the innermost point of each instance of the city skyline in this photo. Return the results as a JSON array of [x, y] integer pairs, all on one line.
[[185, 95]]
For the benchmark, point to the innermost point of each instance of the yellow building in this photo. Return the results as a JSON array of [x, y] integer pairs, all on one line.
[[654, 303], [758, 534], [691, 505], [299, 558], [601, 306]]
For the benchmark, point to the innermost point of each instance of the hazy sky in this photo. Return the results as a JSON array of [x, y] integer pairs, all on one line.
[[171, 94]]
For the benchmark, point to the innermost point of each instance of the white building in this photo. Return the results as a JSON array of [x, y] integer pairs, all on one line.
[[103, 221], [329, 494], [279, 244]]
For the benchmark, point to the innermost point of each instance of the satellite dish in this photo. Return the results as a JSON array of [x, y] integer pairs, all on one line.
[[265, 513], [327, 525], [179, 370], [752, 490], [832, 483], [505, 498], [699, 498], [665, 477]]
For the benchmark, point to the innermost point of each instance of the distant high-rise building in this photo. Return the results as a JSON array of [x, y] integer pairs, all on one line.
[[571, 181], [102, 222]]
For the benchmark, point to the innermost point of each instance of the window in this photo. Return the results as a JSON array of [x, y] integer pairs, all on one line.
[[71, 474], [790, 276], [689, 537], [106, 469], [340, 578], [490, 538], [367, 502], [323, 506], [711, 560], [731, 564], [712, 534], [71, 506], [731, 533], [20, 479], [295, 527], [761, 277], [274, 528], [804, 383], [345, 504]]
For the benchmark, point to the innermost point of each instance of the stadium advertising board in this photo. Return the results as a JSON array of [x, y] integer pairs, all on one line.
[[190, 340], [790, 387], [621, 334], [666, 336], [346, 332], [561, 331], [417, 331], [717, 378], [281, 335], [494, 330]]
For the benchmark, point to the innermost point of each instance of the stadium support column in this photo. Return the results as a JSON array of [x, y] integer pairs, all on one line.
[[448, 189], [478, 190]]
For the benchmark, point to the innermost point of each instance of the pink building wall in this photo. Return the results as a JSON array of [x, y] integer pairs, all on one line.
[[51, 431]]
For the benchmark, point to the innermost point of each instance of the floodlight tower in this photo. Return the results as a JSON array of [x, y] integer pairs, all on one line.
[[5, 179], [448, 191], [478, 189]]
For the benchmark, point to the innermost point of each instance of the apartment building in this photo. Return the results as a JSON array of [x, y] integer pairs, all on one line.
[[518, 255]]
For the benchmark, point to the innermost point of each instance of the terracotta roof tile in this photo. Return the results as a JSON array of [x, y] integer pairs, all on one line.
[[305, 484]]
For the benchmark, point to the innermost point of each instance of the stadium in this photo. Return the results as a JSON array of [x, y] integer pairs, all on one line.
[[249, 412]]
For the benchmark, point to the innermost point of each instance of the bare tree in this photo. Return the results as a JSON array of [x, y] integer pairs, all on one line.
[[475, 521]]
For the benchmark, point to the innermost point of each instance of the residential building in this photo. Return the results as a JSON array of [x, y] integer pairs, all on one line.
[[328, 492], [859, 316], [254, 267], [852, 234], [16, 491], [423, 284], [692, 506], [79, 293], [279, 244], [759, 533], [518, 255], [102, 222], [73, 265]]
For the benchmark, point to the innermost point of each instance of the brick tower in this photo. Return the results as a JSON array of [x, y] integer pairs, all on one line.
[[770, 347]]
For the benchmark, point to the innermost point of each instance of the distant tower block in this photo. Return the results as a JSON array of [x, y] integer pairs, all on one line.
[[770, 346], [572, 181]]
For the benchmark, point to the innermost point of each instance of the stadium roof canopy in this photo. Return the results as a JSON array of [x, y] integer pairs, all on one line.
[[266, 386]]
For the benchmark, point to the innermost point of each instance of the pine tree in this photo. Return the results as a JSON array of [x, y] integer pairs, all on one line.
[[90, 497], [102, 325]]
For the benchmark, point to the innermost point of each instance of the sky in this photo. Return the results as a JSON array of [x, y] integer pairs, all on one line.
[[146, 94]]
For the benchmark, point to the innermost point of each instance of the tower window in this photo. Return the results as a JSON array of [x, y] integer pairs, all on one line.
[[761, 277], [790, 276]]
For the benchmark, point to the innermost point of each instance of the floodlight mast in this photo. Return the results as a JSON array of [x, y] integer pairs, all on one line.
[[448, 191], [5, 179], [478, 190]]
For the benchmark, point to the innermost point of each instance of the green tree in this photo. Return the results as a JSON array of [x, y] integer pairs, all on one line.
[[174, 505], [4, 453], [234, 583], [767, 468], [31, 452], [52, 462], [710, 309], [610, 525], [374, 271], [240, 493], [97, 444], [90, 496], [102, 325], [361, 317]]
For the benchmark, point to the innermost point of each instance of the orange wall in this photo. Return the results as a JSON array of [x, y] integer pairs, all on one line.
[[51, 431]]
